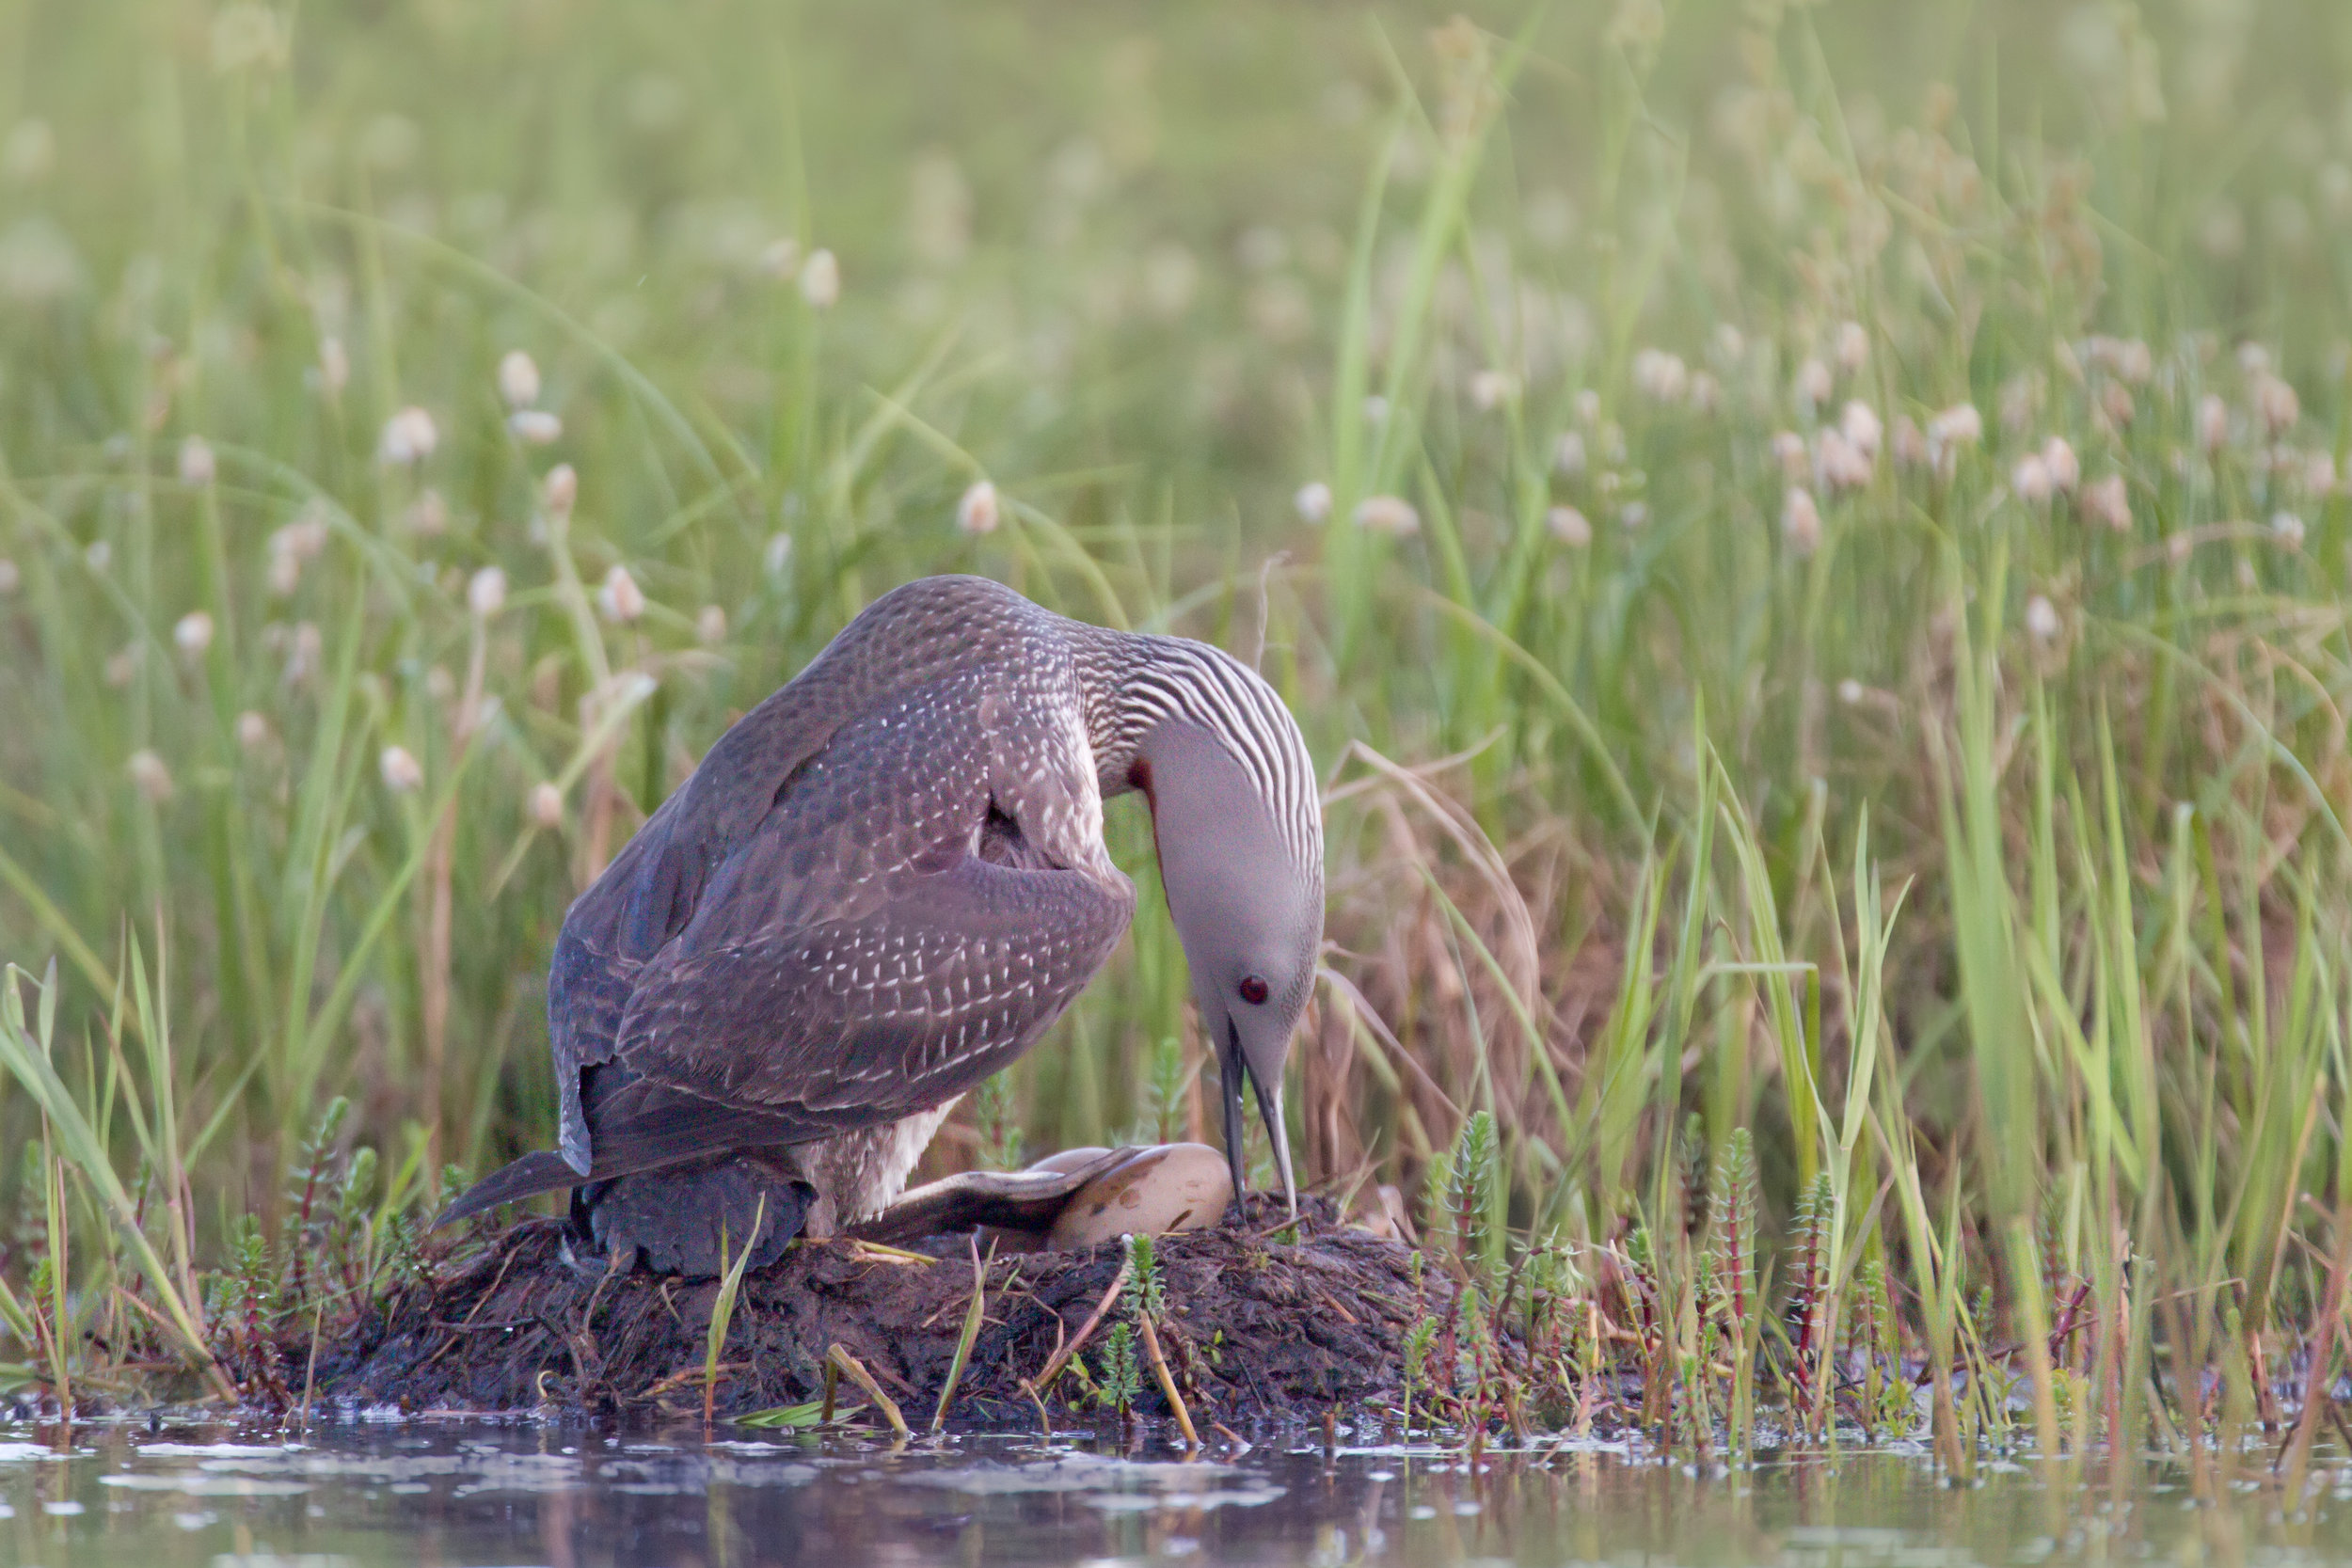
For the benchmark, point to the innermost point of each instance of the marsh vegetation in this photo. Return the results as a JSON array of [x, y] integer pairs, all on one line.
[[1810, 547]]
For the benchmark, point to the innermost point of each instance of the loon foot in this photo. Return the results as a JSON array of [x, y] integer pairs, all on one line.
[[675, 1220]]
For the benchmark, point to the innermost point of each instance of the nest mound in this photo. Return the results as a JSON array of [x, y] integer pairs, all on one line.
[[1254, 1326]]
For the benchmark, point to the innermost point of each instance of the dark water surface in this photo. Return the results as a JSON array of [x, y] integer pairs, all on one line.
[[468, 1492]]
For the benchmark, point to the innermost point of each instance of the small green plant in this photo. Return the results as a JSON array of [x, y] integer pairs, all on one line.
[[1418, 1342], [1119, 1381]]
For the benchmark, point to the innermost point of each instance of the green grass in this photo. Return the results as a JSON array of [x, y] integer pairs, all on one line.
[[1979, 863]]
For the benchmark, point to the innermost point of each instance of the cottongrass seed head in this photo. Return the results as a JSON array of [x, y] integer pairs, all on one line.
[[409, 437], [402, 772], [193, 633], [976, 509], [518, 379], [2212, 424], [559, 491], [2041, 620], [197, 466], [1569, 526], [1567, 454], [620, 598], [252, 731], [2066, 469], [534, 427], [1801, 521], [1659, 376], [1490, 389], [1391, 514], [2107, 501], [547, 805], [1313, 501], [2287, 529], [486, 593], [1852, 348], [1812, 385], [821, 279], [2030, 481], [149, 776]]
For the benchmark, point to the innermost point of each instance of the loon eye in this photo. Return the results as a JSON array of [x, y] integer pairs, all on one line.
[[1252, 990]]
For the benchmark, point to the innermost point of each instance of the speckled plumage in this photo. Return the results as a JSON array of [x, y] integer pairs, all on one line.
[[880, 886]]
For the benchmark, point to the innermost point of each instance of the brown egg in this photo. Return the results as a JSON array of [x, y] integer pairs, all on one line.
[[1164, 1188]]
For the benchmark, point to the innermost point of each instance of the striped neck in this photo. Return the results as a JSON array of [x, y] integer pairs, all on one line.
[[1131, 683]]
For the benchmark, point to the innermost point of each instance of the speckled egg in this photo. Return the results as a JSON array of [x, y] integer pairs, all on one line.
[[1164, 1188]]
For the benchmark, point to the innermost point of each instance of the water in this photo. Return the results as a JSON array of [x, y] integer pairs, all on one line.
[[476, 1491]]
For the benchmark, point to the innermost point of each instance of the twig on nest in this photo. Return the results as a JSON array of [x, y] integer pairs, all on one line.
[[855, 1371]]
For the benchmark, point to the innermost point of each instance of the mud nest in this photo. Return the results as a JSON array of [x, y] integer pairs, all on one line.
[[1254, 1326]]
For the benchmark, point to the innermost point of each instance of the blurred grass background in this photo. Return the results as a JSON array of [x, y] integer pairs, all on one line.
[[1627, 431]]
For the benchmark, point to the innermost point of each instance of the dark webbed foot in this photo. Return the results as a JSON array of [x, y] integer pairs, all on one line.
[[673, 1221]]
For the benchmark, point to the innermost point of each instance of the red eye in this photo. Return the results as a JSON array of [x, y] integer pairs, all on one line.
[[1253, 991]]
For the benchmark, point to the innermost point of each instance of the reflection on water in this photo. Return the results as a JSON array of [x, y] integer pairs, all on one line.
[[478, 1491]]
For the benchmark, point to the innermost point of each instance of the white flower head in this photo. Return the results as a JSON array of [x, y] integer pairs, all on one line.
[[2213, 423], [710, 626], [1567, 454], [1801, 521], [1860, 425], [535, 427], [777, 558], [547, 805], [620, 598], [1853, 348], [193, 633], [149, 776], [559, 491], [485, 594], [1909, 443], [1659, 376], [402, 772], [409, 437], [2031, 480], [1391, 514], [1569, 526], [1490, 389], [779, 259], [2287, 529], [518, 379], [2275, 399], [821, 279], [1839, 465], [1314, 501], [2107, 501], [1850, 691], [2041, 619], [197, 466], [976, 509], [1813, 385], [2319, 474], [1788, 450], [252, 731], [1960, 425], [2065, 468]]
